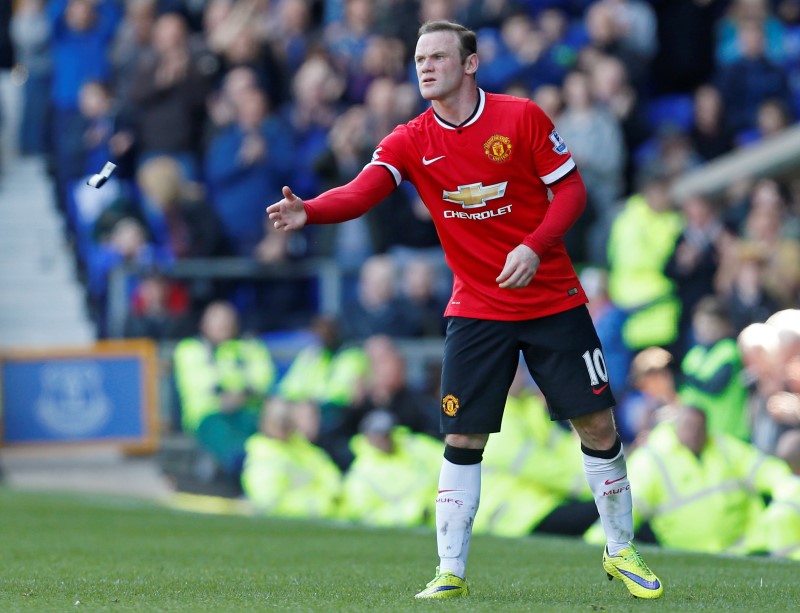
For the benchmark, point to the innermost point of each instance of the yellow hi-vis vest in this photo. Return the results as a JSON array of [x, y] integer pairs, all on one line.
[[392, 489], [529, 468], [291, 478], [777, 530], [702, 504], [321, 376], [203, 371], [639, 246], [726, 411], [533, 447]]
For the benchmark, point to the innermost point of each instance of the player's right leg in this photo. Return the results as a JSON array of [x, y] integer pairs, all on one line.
[[480, 359], [456, 505]]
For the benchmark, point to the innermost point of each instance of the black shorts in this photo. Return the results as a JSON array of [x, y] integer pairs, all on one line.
[[563, 355]]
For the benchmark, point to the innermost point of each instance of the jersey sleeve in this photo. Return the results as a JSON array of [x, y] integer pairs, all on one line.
[[390, 153], [551, 157]]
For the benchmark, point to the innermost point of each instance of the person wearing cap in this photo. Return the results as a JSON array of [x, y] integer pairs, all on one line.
[[392, 479]]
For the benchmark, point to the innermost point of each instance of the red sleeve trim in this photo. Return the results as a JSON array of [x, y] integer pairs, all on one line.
[[569, 201], [352, 200]]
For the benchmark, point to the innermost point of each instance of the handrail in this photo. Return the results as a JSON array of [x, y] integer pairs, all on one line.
[[325, 270]]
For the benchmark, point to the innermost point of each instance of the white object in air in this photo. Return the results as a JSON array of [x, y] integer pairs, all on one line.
[[100, 178]]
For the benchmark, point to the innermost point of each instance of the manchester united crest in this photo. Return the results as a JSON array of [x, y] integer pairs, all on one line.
[[497, 148], [450, 405]]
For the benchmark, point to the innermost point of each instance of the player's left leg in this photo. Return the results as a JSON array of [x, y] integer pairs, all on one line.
[[566, 360], [606, 473]]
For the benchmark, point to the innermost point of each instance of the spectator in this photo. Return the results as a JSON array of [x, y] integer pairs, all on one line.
[[346, 40], [784, 406], [694, 261], [159, 310], [425, 302], [30, 34], [606, 37], [729, 46], [709, 133], [378, 308], [533, 472], [772, 118], [747, 82], [669, 152], [746, 295], [180, 217], [222, 380], [386, 387], [295, 40], [384, 58], [612, 91], [386, 485], [763, 232], [778, 529], [126, 244], [131, 41], [712, 371], [249, 158], [348, 149], [221, 103], [608, 320], [284, 474], [759, 345], [699, 491], [316, 89], [168, 95], [104, 138], [642, 240], [596, 143], [654, 398], [81, 31], [327, 372]]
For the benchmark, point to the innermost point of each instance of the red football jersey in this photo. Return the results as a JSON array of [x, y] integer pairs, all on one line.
[[485, 184]]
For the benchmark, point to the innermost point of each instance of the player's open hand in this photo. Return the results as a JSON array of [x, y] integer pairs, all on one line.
[[289, 213], [521, 264]]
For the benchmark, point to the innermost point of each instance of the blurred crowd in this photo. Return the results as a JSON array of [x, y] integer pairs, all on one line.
[[208, 107]]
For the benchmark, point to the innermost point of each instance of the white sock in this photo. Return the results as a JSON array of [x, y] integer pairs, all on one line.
[[608, 480], [456, 505]]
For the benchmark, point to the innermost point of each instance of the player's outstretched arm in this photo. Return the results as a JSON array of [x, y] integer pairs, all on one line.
[[289, 213]]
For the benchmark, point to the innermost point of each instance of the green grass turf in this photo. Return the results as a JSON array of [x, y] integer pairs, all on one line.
[[121, 555]]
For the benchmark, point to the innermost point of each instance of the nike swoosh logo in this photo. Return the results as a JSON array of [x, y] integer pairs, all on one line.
[[615, 480], [445, 491], [428, 162], [599, 390], [650, 585]]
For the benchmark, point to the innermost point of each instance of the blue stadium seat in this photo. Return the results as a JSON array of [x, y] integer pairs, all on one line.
[[673, 110]]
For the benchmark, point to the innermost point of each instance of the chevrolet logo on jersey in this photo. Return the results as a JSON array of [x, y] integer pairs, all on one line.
[[475, 194]]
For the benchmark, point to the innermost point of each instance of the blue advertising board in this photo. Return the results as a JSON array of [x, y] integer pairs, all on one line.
[[104, 393]]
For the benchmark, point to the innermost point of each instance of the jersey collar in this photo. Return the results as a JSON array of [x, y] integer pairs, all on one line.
[[469, 120]]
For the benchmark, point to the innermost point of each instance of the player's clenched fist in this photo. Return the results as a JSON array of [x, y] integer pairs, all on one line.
[[521, 264], [289, 213]]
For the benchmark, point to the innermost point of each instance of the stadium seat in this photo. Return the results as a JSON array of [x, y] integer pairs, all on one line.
[[673, 110]]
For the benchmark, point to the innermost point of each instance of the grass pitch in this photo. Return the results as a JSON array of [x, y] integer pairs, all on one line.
[[77, 553]]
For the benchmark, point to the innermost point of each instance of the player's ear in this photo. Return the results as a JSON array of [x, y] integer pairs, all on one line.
[[471, 64]]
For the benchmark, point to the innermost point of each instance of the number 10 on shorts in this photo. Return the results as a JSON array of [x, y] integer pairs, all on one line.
[[596, 365]]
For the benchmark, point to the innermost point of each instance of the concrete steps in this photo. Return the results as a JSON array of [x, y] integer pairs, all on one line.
[[42, 302]]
